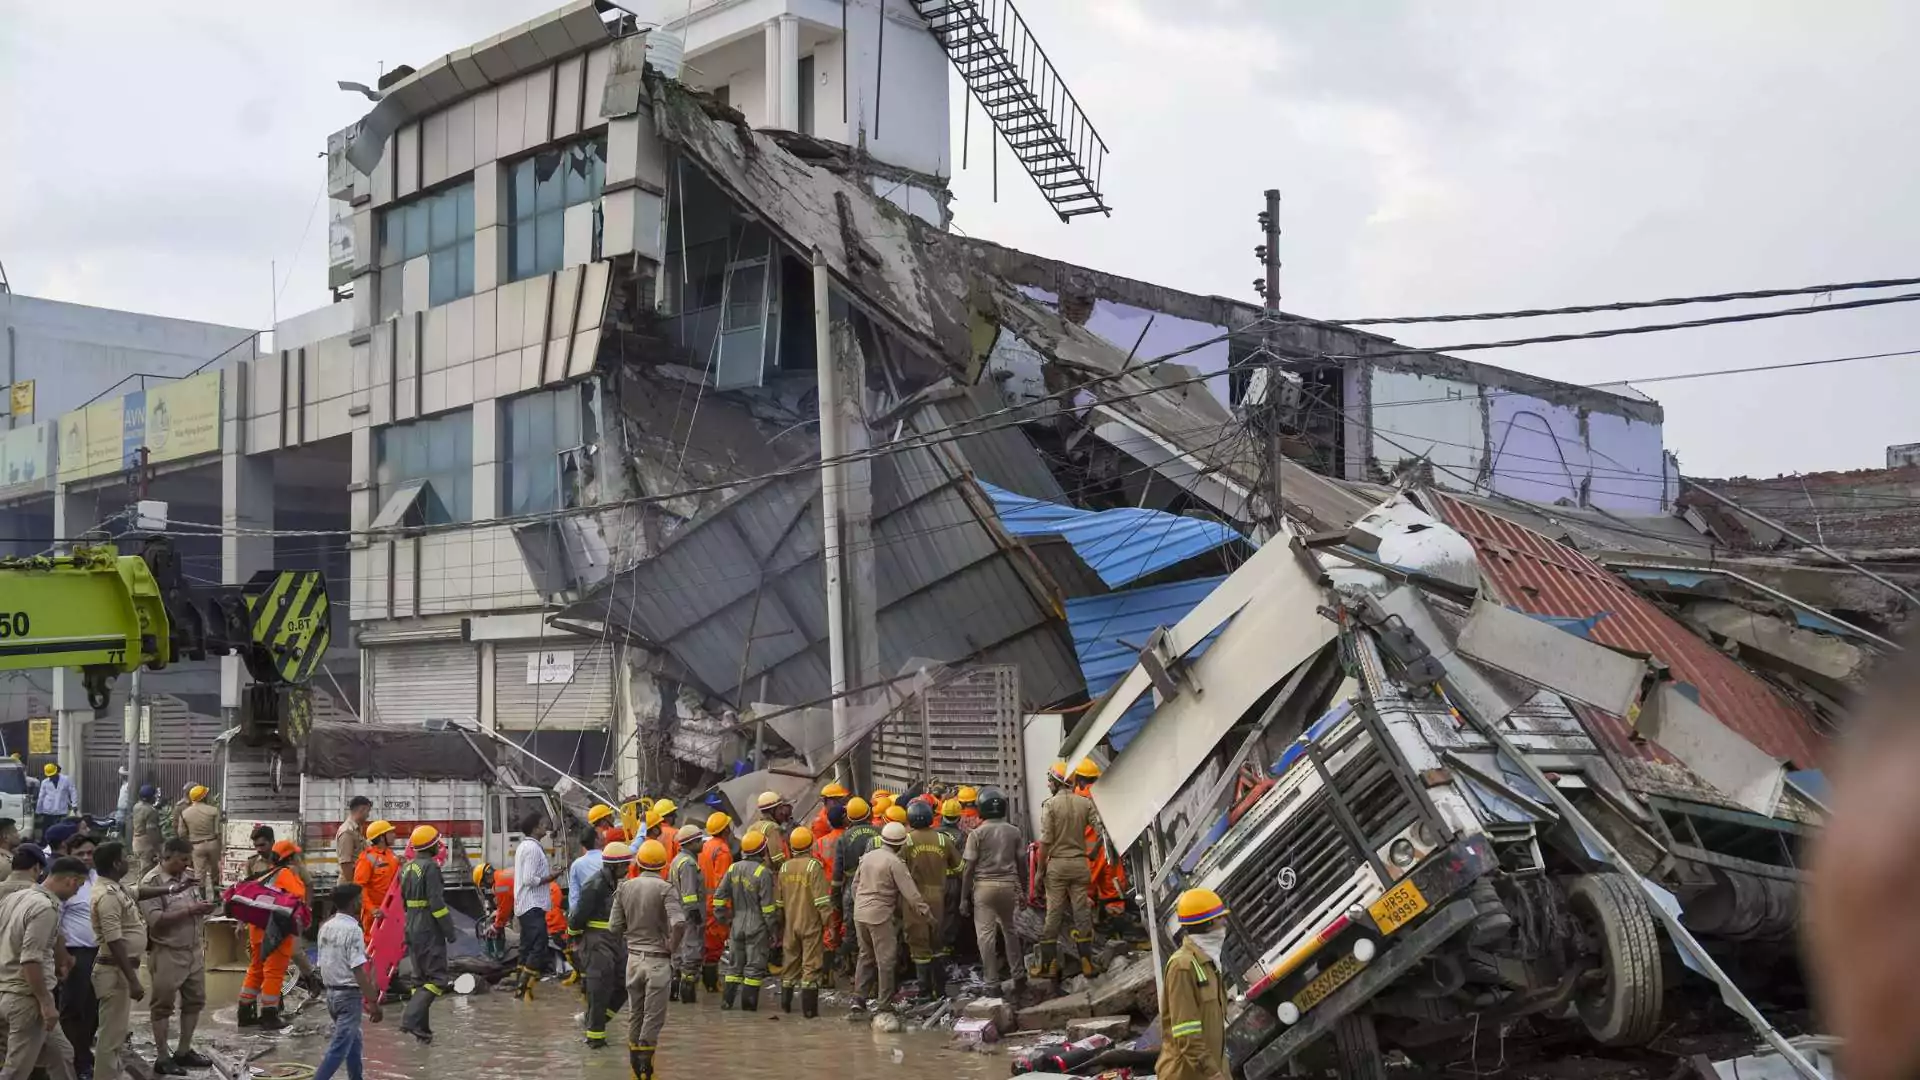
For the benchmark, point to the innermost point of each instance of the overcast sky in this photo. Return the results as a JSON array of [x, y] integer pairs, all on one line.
[[1435, 158]]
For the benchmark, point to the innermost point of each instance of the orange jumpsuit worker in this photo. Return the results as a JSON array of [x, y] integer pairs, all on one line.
[[603, 818], [830, 796], [716, 854], [663, 822], [267, 971], [374, 873], [824, 845], [1107, 878], [969, 810]]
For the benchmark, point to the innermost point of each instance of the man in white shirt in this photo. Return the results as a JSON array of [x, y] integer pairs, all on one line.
[[531, 876], [349, 982], [56, 798], [79, 1006]]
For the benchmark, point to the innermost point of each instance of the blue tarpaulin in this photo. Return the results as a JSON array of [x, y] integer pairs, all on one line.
[[1109, 631], [1121, 545]]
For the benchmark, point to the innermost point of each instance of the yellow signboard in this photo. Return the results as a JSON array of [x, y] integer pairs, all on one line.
[[26, 459], [40, 735], [22, 403], [91, 438], [183, 418]]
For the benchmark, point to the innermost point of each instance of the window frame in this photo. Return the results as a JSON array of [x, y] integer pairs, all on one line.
[[523, 450], [436, 225], [536, 233], [452, 501]]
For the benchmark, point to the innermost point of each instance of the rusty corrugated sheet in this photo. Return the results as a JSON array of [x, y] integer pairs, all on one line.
[[1542, 577]]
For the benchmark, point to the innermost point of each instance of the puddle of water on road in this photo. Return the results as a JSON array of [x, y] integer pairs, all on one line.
[[494, 1035]]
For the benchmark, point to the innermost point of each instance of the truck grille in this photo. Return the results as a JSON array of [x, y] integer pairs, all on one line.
[[1313, 846]]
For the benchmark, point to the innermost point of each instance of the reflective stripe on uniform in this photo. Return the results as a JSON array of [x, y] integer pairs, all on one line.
[[690, 898], [438, 913], [416, 903], [599, 924], [1180, 1031], [768, 909]]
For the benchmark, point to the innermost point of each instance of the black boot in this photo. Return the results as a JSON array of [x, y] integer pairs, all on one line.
[[689, 988], [270, 1018], [786, 997], [749, 999], [925, 971], [642, 1062], [710, 975], [673, 988], [728, 995], [248, 1015], [414, 1020], [810, 1003]]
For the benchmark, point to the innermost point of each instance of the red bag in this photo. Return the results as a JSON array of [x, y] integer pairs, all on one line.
[[276, 913]]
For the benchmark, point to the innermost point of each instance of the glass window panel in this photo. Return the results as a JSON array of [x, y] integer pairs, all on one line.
[[389, 291], [463, 267], [524, 262], [416, 222], [548, 237], [746, 297], [549, 181], [443, 277], [463, 210], [391, 237], [443, 215], [522, 197], [576, 177]]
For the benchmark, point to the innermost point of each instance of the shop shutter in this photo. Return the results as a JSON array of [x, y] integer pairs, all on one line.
[[417, 682], [584, 704]]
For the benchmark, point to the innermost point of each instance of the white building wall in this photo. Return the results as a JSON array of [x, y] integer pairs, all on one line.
[[72, 352]]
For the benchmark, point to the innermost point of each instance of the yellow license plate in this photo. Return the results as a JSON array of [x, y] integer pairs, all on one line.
[[1327, 982], [1397, 906]]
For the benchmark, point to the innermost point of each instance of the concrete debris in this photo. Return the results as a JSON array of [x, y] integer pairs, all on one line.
[[1113, 1027], [997, 1010], [886, 1023], [976, 1033]]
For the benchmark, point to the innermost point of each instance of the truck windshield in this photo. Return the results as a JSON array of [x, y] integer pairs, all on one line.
[[13, 780]]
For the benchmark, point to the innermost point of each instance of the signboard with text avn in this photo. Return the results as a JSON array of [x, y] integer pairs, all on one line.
[[173, 420]]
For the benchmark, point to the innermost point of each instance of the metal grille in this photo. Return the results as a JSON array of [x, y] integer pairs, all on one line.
[[417, 682], [1314, 846], [964, 732]]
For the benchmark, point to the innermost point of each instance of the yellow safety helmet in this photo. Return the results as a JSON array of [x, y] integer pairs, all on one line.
[[480, 873], [378, 829], [1197, 907], [800, 839], [768, 800], [599, 812], [1086, 770], [717, 823], [834, 790], [661, 808], [858, 810], [950, 808], [751, 843], [897, 813], [968, 796], [1058, 771], [652, 855], [880, 793], [196, 792], [424, 836], [49, 769], [621, 851], [881, 804]]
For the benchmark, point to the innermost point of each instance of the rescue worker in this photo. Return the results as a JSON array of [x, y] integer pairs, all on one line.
[[859, 836], [267, 970], [429, 930], [374, 873], [200, 824], [1108, 876], [663, 824], [826, 848], [745, 902], [716, 854], [1193, 997], [804, 900], [496, 885], [1064, 820], [970, 816], [991, 886], [649, 923], [601, 954], [931, 860], [143, 826], [948, 824], [351, 839], [683, 873], [834, 794], [776, 814], [896, 814], [604, 820], [879, 820], [882, 888]]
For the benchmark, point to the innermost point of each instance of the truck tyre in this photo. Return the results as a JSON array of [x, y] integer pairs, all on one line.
[[1356, 1048], [1623, 1009]]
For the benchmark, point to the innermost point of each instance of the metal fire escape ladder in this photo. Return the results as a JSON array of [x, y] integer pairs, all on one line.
[[1010, 75]]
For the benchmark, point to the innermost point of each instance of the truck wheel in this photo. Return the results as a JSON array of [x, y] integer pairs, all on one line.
[[1623, 1008], [1356, 1047]]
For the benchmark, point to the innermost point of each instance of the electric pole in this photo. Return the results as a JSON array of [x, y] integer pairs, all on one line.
[[1270, 397]]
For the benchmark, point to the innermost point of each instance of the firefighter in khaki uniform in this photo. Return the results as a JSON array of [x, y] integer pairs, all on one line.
[[804, 900], [1064, 819], [1193, 997], [651, 924], [932, 859]]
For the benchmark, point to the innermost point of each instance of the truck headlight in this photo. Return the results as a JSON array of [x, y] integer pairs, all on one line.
[[1401, 853], [1288, 1012]]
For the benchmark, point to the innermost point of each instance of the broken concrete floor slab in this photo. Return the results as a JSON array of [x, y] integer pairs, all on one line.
[[1113, 1027], [1126, 989]]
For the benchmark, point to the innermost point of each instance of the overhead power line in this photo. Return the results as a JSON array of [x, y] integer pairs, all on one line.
[[1633, 305]]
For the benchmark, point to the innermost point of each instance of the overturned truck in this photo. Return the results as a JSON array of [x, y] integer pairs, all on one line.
[[1448, 774]]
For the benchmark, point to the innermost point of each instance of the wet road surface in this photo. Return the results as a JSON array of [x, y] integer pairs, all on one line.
[[491, 1034]]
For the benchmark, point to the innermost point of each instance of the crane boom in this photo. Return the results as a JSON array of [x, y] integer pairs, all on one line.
[[105, 613]]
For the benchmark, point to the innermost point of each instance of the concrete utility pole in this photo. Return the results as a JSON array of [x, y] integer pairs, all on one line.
[[136, 698], [1269, 289]]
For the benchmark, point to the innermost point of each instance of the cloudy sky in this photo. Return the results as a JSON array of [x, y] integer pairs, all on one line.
[[1435, 157]]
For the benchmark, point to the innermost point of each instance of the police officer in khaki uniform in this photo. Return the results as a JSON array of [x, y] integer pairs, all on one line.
[[1193, 997], [143, 825], [200, 824], [991, 886], [122, 935], [882, 889], [351, 838], [648, 919], [29, 935], [176, 961], [1064, 818]]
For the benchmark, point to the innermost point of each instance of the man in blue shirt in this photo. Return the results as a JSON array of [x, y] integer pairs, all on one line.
[[584, 867], [56, 798]]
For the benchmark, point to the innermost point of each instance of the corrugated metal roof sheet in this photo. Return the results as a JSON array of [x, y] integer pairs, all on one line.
[[1542, 577], [995, 452], [1121, 545], [1109, 630]]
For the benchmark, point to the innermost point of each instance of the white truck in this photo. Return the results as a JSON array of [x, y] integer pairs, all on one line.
[[457, 781]]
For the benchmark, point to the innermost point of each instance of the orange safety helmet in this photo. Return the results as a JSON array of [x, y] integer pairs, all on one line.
[[286, 849]]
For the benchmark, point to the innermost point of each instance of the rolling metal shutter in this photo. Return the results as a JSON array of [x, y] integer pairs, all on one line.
[[584, 704], [963, 733], [421, 681]]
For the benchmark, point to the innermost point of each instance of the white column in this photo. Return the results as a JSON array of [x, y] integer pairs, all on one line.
[[770, 90], [246, 504], [789, 72]]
